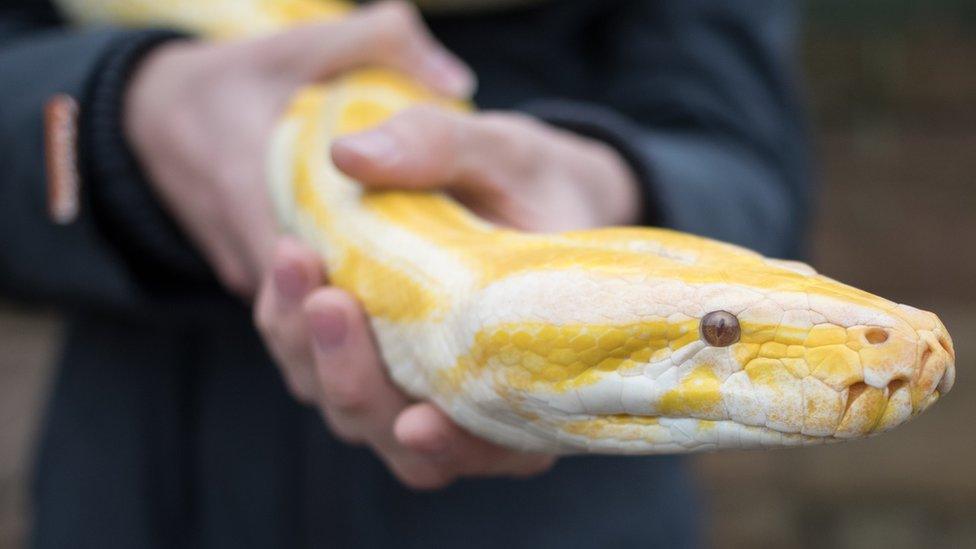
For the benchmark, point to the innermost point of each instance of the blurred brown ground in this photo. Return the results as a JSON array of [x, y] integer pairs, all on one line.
[[894, 101], [895, 133], [28, 342]]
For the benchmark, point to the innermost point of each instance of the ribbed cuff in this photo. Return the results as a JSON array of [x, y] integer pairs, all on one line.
[[606, 125], [122, 200]]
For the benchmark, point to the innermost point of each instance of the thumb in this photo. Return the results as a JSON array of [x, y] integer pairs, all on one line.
[[417, 149]]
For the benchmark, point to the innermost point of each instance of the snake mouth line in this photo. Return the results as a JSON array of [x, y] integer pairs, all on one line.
[[866, 412], [651, 435]]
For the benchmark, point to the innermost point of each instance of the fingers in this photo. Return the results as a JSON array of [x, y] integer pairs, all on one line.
[[508, 168], [429, 147], [489, 162], [280, 318], [358, 399], [421, 445], [428, 431], [390, 34], [418, 148]]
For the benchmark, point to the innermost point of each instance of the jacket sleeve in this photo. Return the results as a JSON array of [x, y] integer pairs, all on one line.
[[699, 96], [121, 247]]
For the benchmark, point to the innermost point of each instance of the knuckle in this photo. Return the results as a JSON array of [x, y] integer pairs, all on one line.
[[396, 23], [429, 120], [401, 13], [427, 123], [510, 136]]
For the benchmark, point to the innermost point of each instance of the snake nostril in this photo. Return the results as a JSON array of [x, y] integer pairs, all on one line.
[[876, 336]]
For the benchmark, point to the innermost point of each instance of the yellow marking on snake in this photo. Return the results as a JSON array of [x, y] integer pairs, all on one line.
[[362, 115], [527, 356], [698, 394], [385, 292], [584, 341], [304, 108], [622, 427], [302, 11], [428, 214]]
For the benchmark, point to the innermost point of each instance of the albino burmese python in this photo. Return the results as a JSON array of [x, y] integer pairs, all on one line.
[[619, 340]]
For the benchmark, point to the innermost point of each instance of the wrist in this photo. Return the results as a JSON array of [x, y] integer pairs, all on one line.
[[127, 211], [142, 114]]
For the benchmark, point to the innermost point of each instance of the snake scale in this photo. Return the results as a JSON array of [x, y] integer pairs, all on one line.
[[617, 340]]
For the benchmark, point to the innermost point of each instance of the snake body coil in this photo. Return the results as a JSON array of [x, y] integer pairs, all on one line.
[[621, 340]]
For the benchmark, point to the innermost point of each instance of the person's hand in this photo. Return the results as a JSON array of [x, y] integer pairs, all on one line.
[[321, 339], [199, 115], [508, 168]]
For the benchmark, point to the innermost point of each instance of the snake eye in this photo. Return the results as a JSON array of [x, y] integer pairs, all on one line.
[[719, 328]]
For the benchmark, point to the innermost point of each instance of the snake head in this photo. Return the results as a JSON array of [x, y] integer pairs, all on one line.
[[827, 364], [737, 351]]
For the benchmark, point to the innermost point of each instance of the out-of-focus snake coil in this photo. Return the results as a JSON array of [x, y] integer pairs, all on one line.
[[618, 340]]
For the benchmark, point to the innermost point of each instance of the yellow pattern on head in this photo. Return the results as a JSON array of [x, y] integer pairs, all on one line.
[[616, 426], [698, 395], [530, 356]]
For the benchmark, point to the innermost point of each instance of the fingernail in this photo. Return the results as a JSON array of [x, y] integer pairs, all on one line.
[[449, 76], [373, 145], [329, 328], [290, 281]]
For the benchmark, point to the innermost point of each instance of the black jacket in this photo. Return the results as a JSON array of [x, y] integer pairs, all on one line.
[[168, 424]]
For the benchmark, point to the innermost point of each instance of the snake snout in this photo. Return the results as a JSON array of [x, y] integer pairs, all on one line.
[[936, 371], [937, 366], [949, 376], [887, 398]]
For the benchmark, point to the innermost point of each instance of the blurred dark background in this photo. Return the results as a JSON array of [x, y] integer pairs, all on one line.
[[892, 86]]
